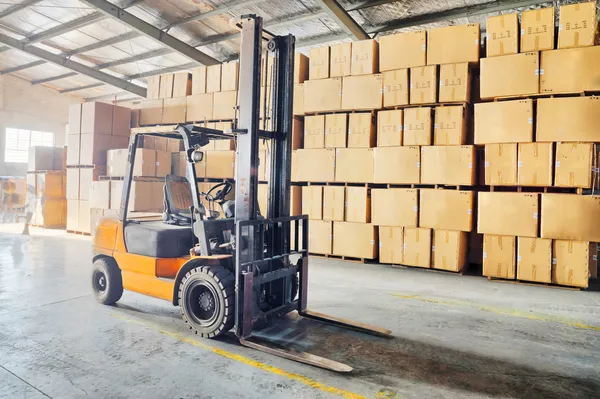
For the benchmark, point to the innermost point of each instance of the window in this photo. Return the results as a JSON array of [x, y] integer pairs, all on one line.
[[18, 141]]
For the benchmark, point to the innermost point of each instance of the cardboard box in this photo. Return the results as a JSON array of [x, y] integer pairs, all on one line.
[[73, 149], [570, 70], [341, 59], [145, 196], [74, 126], [99, 196], [446, 209], [535, 164], [403, 50], [163, 164], [358, 205], [166, 86], [510, 75], [199, 80], [220, 164], [199, 107], [395, 207], [389, 128], [153, 90], [96, 118], [336, 130], [504, 122], [174, 110], [452, 165], [301, 65], [41, 158], [323, 95], [213, 78], [298, 133], [264, 166], [116, 161], [501, 164], [178, 163], [537, 29], [72, 184], [574, 165], [298, 100], [362, 92], [50, 185], [573, 262], [395, 88], [263, 199], [319, 63], [121, 121], [144, 165], [506, 213], [365, 57], [570, 217], [72, 215], [361, 130], [455, 83], [568, 119], [296, 201], [357, 240], [417, 247], [423, 84], [354, 165], [452, 44], [450, 127], [320, 238], [391, 245], [116, 194], [93, 147], [312, 202], [578, 26], [449, 250], [417, 126], [499, 256], [229, 76], [314, 165], [225, 104], [397, 165], [151, 112], [502, 34], [86, 177], [84, 217], [314, 131], [182, 84], [334, 203], [534, 259]]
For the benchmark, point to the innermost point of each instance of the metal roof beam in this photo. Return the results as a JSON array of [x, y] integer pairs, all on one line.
[[134, 58], [22, 67], [103, 96], [52, 78], [368, 4], [73, 89], [154, 72], [217, 11], [343, 19], [103, 43], [72, 65], [151, 32], [64, 28], [18, 7]]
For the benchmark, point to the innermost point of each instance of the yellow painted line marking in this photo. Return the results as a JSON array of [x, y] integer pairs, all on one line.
[[504, 311], [241, 359]]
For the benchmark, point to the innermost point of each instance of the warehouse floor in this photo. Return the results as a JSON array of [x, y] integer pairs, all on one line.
[[455, 336]]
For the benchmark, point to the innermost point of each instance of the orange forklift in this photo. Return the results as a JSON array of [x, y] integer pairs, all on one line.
[[238, 271]]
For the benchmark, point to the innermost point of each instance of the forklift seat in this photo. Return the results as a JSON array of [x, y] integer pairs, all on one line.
[[158, 239], [178, 200]]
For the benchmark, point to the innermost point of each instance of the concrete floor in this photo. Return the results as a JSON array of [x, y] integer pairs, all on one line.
[[455, 336]]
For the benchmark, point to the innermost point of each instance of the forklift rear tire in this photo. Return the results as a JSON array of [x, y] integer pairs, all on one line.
[[207, 300], [107, 282]]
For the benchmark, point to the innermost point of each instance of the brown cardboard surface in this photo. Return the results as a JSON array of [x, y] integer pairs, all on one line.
[[73, 149], [151, 112], [166, 86], [100, 194], [395, 87], [570, 217], [363, 92], [365, 57], [121, 121], [574, 164], [504, 122], [213, 78], [577, 26], [423, 84], [451, 44], [199, 107], [153, 91], [220, 164], [297, 133], [86, 177], [301, 65], [446, 209], [354, 165], [501, 164], [336, 130], [160, 143], [510, 75], [455, 83], [573, 262], [450, 164], [449, 250], [178, 163], [93, 147], [296, 201], [450, 127], [116, 161], [502, 34], [319, 63], [395, 207], [312, 202], [341, 59], [418, 126], [315, 165], [116, 193], [314, 131], [403, 50], [506, 213], [570, 70], [40, 158], [84, 217], [358, 205], [50, 185], [537, 29], [199, 80], [75, 119], [163, 163], [263, 198], [499, 258], [397, 165], [535, 164], [417, 247], [334, 199], [72, 184], [144, 165], [320, 238], [174, 110], [568, 119], [182, 84], [298, 99], [361, 130], [73, 215], [358, 240], [389, 128], [534, 259], [144, 196], [391, 245], [96, 117], [224, 105], [323, 95], [229, 76]]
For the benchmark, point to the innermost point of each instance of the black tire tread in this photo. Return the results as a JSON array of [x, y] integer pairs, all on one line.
[[115, 287]]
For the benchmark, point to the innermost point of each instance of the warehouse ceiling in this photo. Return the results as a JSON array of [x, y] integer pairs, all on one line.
[[94, 50]]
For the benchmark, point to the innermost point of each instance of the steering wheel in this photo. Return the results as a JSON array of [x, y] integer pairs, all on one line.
[[220, 193]]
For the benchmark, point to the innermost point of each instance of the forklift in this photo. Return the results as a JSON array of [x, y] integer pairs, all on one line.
[[233, 269]]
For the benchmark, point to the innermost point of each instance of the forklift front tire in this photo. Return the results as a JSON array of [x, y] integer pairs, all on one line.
[[107, 282]]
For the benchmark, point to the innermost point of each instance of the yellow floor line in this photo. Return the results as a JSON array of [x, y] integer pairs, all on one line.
[[504, 311], [239, 358]]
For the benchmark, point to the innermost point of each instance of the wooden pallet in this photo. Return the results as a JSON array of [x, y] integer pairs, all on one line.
[[83, 233], [49, 172], [342, 257], [430, 105], [135, 178], [533, 189], [533, 283], [535, 96]]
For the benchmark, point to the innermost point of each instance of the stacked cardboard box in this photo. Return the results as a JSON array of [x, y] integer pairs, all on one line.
[[46, 174]]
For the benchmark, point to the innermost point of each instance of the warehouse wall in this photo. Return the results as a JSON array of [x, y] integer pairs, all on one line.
[[34, 108]]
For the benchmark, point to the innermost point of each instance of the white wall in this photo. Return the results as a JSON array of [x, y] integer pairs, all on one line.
[[24, 106]]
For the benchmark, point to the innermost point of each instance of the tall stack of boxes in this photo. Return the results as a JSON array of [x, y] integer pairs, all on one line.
[[46, 174]]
